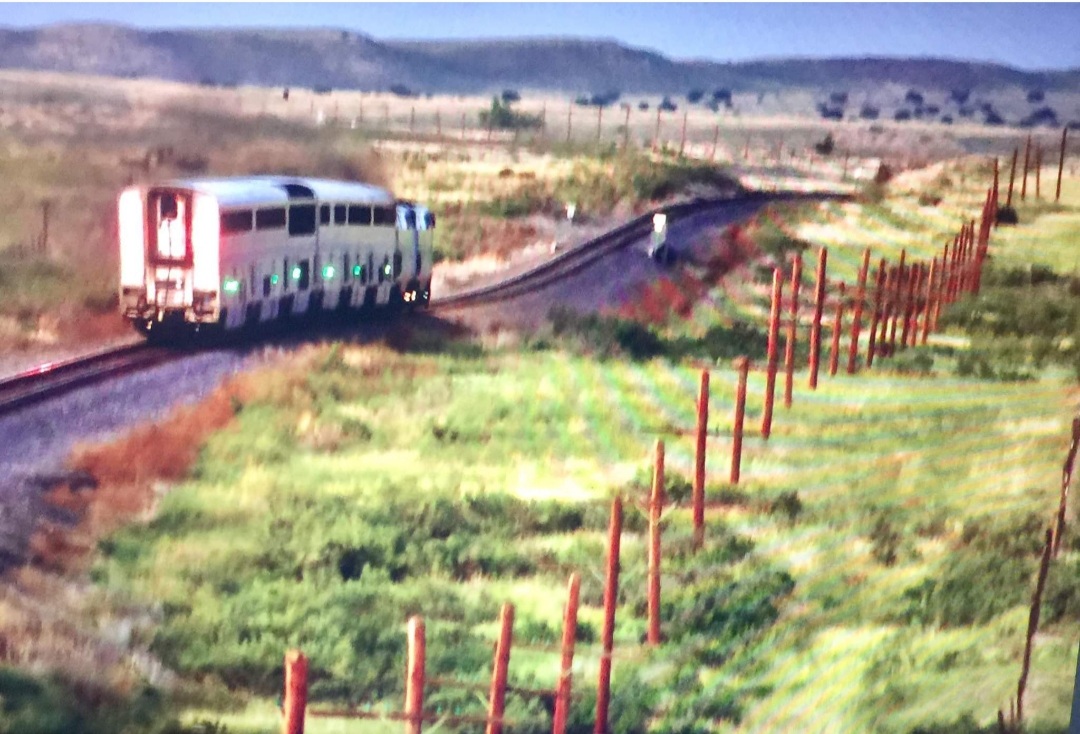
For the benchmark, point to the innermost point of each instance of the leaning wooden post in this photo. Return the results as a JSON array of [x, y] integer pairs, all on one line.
[[626, 129], [1012, 177], [742, 364], [569, 120], [294, 707], [599, 121], [414, 676], [1027, 160], [815, 326], [1033, 625], [611, 593], [770, 367], [1066, 482], [699, 459], [462, 125], [438, 124], [793, 325], [566, 664], [875, 314], [994, 196], [928, 309], [838, 327], [856, 317], [656, 133], [656, 504], [1061, 163], [497, 695], [715, 139]]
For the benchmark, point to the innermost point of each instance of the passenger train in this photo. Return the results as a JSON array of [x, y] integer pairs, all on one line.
[[224, 254]]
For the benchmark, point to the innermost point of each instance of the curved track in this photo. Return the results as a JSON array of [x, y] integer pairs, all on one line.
[[53, 379]]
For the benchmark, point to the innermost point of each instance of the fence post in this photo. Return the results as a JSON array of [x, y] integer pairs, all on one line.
[[682, 140], [838, 326], [1033, 625], [993, 208], [715, 139], [1012, 176], [569, 636], [656, 504], [875, 315], [928, 307], [770, 368], [1066, 482], [856, 317], [599, 121], [815, 326], [1061, 163], [1027, 159], [742, 364], [699, 459], [909, 304], [1038, 170], [462, 125], [611, 593], [414, 676], [569, 120], [294, 706], [412, 118], [497, 697], [793, 324], [656, 133], [899, 284], [626, 129]]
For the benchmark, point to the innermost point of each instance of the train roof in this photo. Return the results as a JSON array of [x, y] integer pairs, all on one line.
[[255, 190]]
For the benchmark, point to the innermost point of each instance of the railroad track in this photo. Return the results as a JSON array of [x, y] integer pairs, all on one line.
[[56, 378], [52, 379]]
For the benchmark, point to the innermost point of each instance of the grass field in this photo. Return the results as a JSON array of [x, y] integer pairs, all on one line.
[[871, 572]]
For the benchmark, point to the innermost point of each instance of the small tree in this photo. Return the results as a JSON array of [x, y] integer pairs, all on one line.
[[869, 112], [510, 95], [694, 95], [826, 146], [913, 97], [960, 96], [838, 98], [723, 94], [1035, 96], [667, 105], [643, 105]]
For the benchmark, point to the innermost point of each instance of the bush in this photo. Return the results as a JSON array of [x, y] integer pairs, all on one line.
[[972, 588], [695, 95], [501, 117], [667, 105], [826, 146], [510, 95]]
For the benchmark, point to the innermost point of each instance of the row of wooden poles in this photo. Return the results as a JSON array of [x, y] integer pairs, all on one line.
[[1013, 721], [295, 707], [1035, 163], [905, 304]]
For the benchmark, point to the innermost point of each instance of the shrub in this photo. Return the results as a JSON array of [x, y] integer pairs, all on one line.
[[510, 95], [826, 146], [972, 588], [1036, 95], [643, 105], [501, 117], [869, 112], [695, 95], [667, 105]]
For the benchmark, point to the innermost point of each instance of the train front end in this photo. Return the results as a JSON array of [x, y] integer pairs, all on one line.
[[169, 259]]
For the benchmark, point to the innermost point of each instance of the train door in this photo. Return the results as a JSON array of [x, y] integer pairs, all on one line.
[[169, 250]]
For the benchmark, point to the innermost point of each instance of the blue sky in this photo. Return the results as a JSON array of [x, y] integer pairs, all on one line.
[[1024, 35]]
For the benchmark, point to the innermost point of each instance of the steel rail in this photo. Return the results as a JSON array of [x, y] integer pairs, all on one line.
[[55, 378]]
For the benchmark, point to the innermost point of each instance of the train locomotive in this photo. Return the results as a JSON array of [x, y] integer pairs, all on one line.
[[223, 254]]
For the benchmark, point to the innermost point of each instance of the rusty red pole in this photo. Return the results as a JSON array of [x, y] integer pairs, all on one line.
[[793, 325], [1033, 624], [742, 364], [856, 318], [1027, 159], [838, 327], [569, 636], [875, 314], [294, 707], [909, 304], [1012, 177], [954, 270], [899, 284], [1061, 163], [815, 326], [699, 459], [891, 276], [414, 677], [1066, 482], [497, 696], [774, 334], [928, 310], [656, 504], [607, 634]]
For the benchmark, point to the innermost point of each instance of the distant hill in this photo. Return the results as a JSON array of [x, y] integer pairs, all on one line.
[[345, 59]]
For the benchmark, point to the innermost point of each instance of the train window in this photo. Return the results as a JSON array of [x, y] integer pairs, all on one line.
[[285, 274], [370, 267], [385, 216], [397, 263], [266, 286], [168, 206], [339, 213], [429, 221], [360, 215], [301, 220], [236, 222], [410, 219], [324, 214], [270, 218]]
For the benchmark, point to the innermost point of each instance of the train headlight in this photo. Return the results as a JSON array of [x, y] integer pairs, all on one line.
[[328, 272]]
